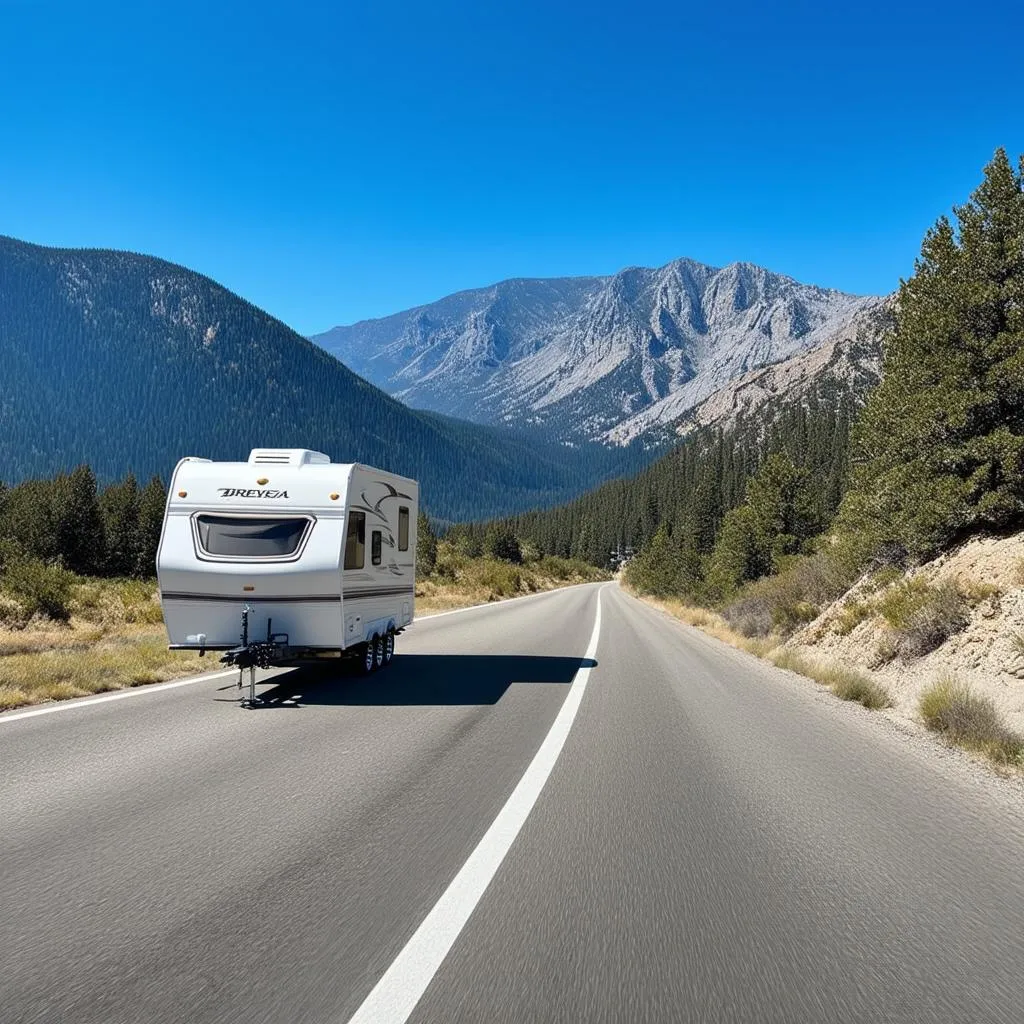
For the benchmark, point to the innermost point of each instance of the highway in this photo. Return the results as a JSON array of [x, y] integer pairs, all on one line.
[[538, 813]]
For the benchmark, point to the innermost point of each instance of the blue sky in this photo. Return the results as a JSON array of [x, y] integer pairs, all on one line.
[[338, 161]]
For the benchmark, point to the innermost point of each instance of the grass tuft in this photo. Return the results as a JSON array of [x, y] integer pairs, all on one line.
[[843, 682], [969, 720], [923, 616]]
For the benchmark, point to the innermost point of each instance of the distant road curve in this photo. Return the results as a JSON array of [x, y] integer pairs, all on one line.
[[540, 812]]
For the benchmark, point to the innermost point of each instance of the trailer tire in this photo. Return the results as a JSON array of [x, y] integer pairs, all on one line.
[[389, 646], [378, 651], [368, 662]]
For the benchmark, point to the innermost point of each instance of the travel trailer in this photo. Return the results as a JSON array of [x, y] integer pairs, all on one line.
[[287, 558]]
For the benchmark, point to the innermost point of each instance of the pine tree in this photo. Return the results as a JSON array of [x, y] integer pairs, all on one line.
[[81, 542], [664, 568], [426, 546], [152, 500], [940, 443], [780, 498], [120, 506], [501, 542]]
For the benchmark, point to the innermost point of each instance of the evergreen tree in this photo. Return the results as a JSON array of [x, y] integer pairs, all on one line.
[[152, 501], [426, 546], [664, 568], [81, 543], [120, 506], [780, 498], [28, 522], [939, 447], [742, 553], [501, 542]]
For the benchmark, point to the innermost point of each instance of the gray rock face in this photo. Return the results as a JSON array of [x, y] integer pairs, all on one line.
[[586, 356]]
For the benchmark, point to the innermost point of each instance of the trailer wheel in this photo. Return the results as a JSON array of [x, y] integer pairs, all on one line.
[[389, 646], [369, 661], [378, 651]]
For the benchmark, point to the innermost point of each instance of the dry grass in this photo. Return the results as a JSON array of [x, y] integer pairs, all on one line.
[[460, 581], [112, 665], [845, 683], [970, 720], [113, 640], [850, 616], [711, 623]]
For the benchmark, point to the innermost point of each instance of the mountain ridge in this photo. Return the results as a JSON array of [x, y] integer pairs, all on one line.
[[578, 356]]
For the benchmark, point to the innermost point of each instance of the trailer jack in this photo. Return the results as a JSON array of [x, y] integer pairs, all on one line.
[[255, 654]]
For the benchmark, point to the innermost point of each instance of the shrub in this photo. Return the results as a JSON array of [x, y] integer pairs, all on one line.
[[976, 592], [501, 578], [850, 616], [784, 602], [943, 615], [40, 589], [850, 685], [922, 616], [504, 545], [899, 603], [750, 616], [886, 650], [969, 720]]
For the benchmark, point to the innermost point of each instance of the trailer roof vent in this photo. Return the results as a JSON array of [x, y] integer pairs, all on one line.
[[288, 457]]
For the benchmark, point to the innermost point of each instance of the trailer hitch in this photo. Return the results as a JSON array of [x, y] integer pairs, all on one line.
[[255, 654]]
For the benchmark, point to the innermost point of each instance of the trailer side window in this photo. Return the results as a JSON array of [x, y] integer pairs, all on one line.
[[403, 529], [375, 546], [355, 540]]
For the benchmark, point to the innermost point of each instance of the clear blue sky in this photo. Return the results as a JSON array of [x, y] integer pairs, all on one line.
[[340, 161]]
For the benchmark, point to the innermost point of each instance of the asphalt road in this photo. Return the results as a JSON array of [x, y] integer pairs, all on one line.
[[716, 841]]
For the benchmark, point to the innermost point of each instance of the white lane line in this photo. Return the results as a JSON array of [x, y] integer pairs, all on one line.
[[395, 996], [136, 691], [499, 604]]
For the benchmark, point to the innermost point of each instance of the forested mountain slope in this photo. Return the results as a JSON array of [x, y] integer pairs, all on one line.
[[127, 362], [691, 489]]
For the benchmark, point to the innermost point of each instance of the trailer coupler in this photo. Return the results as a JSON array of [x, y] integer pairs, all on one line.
[[255, 654]]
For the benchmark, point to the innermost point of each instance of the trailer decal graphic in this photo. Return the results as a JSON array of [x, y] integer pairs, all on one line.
[[251, 492]]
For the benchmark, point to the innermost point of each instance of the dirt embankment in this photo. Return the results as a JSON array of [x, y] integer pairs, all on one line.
[[959, 617]]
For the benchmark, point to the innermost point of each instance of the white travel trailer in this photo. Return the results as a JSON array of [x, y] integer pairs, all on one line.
[[286, 558]]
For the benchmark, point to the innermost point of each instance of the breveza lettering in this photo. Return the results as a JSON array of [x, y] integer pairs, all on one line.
[[252, 492]]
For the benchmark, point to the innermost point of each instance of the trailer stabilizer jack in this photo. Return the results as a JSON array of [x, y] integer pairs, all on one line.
[[256, 654]]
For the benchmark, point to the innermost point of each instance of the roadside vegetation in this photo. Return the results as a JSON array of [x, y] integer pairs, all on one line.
[[457, 572], [106, 634], [970, 720]]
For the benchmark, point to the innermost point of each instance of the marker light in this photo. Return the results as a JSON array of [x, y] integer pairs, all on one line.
[[248, 587], [182, 494], [262, 480], [334, 495]]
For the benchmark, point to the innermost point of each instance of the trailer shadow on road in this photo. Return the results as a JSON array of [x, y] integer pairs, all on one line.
[[420, 679]]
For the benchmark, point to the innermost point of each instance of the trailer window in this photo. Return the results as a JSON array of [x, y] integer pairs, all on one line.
[[250, 537], [375, 545], [403, 529], [355, 541]]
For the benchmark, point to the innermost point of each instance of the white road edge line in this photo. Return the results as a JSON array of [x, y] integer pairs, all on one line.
[[135, 691], [402, 985]]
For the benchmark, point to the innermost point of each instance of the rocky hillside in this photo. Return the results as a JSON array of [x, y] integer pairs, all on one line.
[[960, 616], [846, 362], [595, 357]]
